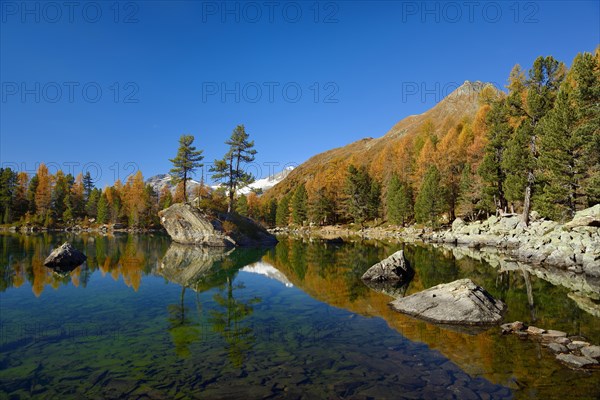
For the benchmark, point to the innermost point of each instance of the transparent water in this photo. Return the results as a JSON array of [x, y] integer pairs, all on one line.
[[146, 319]]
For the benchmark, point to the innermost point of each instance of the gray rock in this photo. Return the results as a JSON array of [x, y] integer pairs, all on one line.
[[591, 352], [534, 330], [551, 334], [558, 348], [577, 344], [187, 224], [512, 327], [65, 257], [459, 302], [394, 268], [588, 217], [576, 361], [457, 224]]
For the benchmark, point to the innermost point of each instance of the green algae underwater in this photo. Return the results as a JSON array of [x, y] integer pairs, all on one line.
[[146, 319]]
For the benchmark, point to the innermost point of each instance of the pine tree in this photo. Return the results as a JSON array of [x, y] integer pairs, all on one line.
[[165, 198], [299, 205], [283, 211], [515, 164], [270, 215], [567, 152], [186, 162], [102, 209], [88, 185], [241, 205], [78, 197], [91, 208], [399, 203], [531, 101], [21, 204], [8, 186], [321, 207], [429, 203], [499, 131], [231, 167], [61, 189], [362, 200]]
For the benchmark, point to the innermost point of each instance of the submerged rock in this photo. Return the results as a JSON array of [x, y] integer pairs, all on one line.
[[395, 268], [65, 258], [187, 224], [459, 302]]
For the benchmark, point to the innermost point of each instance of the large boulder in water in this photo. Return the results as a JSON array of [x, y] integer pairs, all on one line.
[[187, 224], [395, 268], [460, 302], [65, 258], [390, 276]]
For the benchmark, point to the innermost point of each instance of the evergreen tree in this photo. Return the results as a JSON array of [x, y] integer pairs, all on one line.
[[362, 195], [283, 211], [321, 207], [299, 205], [499, 131], [271, 214], [567, 148], [165, 198], [102, 209], [91, 208], [399, 202], [530, 102], [88, 185], [241, 205], [517, 160], [230, 168], [186, 162], [8, 187], [21, 204], [77, 197], [61, 189], [429, 203]]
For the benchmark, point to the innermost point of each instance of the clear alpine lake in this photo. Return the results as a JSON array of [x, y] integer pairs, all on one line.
[[146, 319]]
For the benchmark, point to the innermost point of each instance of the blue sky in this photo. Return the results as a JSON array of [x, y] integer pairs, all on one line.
[[109, 87]]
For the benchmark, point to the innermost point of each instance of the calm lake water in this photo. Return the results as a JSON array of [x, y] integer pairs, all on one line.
[[147, 319]]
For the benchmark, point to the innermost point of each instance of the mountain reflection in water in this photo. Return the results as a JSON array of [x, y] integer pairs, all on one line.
[[295, 319]]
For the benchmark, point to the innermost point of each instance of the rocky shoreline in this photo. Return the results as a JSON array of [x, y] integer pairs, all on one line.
[[573, 246]]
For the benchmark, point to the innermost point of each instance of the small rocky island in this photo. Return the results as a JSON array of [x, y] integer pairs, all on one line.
[[187, 224]]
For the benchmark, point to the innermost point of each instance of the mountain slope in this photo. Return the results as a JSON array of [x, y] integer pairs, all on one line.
[[384, 155]]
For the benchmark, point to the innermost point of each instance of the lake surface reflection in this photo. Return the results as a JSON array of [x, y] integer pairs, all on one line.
[[144, 318]]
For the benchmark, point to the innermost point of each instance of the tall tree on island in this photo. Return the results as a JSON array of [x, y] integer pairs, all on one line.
[[186, 162], [241, 151]]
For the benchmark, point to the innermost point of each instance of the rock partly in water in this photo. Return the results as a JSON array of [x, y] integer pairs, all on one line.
[[459, 302], [394, 268], [390, 276], [187, 224], [65, 258]]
